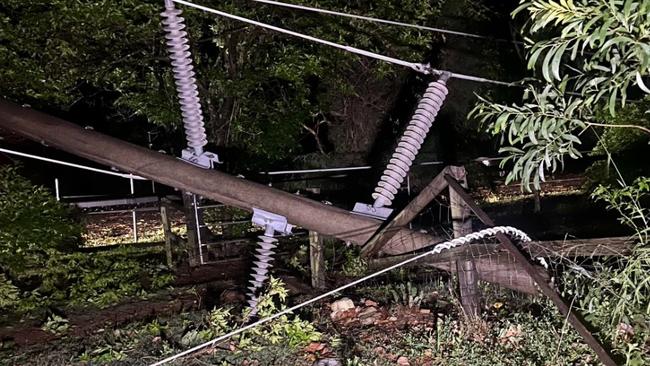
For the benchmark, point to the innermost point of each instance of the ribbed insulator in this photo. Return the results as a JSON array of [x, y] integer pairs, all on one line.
[[188, 95], [410, 143], [265, 251]]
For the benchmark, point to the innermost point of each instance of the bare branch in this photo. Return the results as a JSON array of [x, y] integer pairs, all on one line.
[[644, 129]]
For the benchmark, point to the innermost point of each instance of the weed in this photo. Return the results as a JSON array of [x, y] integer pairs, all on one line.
[[56, 325], [354, 265], [407, 295]]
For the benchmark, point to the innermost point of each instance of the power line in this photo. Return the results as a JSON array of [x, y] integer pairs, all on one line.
[[384, 21], [78, 166], [419, 67], [463, 240], [483, 160], [415, 66]]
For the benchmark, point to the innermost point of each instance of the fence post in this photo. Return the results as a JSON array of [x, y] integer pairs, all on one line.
[[56, 189], [133, 213], [538, 200], [462, 224], [317, 260], [167, 232], [192, 243]]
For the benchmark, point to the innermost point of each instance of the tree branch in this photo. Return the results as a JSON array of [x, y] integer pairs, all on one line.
[[644, 129]]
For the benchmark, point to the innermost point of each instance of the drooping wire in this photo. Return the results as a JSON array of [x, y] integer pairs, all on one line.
[[385, 21], [419, 67], [463, 240]]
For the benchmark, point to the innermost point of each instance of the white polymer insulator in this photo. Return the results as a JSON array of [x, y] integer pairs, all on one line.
[[410, 143], [188, 95], [265, 252]]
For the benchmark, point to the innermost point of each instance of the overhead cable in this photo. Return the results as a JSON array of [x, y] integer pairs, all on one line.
[[415, 66], [384, 21], [463, 240], [419, 67], [78, 166]]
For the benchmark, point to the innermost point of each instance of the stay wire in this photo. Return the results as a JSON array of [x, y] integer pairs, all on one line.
[[419, 67], [384, 21], [520, 235]]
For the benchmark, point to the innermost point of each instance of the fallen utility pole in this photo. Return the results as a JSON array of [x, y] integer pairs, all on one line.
[[301, 211], [566, 311], [224, 188]]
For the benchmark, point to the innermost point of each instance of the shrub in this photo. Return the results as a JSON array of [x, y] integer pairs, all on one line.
[[31, 223], [39, 263]]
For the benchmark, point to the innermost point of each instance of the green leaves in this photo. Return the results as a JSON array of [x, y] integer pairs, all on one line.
[[601, 46], [9, 294], [589, 54], [536, 135], [31, 222], [38, 238]]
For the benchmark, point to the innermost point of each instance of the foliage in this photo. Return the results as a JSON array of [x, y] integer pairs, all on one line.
[[628, 201], [215, 216], [56, 324], [260, 90], [605, 42], [591, 55], [300, 259], [8, 294], [619, 140], [407, 295], [98, 279], [523, 333], [283, 331], [354, 265], [292, 331], [536, 135], [519, 338], [39, 259], [615, 295], [32, 222], [622, 295]]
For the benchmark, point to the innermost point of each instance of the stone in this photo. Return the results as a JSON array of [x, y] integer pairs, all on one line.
[[370, 303], [343, 308], [403, 361], [327, 362], [369, 316], [341, 305], [367, 312]]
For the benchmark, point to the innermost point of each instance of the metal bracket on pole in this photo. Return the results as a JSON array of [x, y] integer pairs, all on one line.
[[206, 160], [368, 210], [266, 219]]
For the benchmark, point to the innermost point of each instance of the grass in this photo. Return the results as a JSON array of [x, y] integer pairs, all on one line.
[[117, 228]]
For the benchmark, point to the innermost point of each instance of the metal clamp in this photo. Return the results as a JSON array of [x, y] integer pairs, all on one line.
[[206, 160], [268, 219], [368, 210]]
